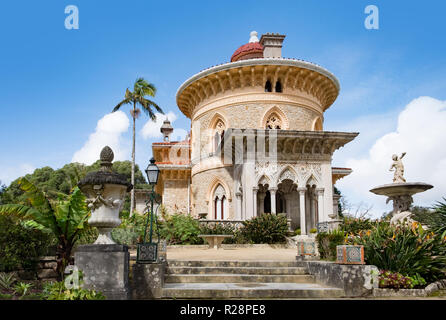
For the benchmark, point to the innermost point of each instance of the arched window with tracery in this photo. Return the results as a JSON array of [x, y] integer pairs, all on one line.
[[220, 203], [219, 131], [274, 122]]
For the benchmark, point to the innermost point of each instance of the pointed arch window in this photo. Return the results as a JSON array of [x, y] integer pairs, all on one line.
[[220, 203], [219, 131], [274, 122]]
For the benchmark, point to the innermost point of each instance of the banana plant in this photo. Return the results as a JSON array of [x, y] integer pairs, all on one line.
[[64, 217]]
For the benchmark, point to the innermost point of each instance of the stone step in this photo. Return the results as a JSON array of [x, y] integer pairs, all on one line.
[[248, 290], [237, 270], [222, 263], [237, 278]]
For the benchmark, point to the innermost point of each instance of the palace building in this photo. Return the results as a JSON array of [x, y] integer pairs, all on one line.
[[257, 143]]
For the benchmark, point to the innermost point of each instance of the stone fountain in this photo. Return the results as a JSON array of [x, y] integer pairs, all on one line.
[[400, 191], [105, 264]]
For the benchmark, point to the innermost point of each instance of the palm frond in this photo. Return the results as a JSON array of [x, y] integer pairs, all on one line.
[[127, 100], [19, 211], [36, 197], [43, 209], [144, 88], [31, 224], [147, 105]]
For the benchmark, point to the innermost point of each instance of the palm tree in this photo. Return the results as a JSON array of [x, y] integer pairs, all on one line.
[[141, 89]]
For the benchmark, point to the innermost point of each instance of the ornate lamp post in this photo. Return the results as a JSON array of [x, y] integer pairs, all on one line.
[[147, 252]]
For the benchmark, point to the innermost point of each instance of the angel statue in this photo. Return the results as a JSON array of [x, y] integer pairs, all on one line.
[[398, 168]]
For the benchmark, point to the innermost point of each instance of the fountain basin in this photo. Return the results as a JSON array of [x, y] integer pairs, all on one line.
[[401, 189]]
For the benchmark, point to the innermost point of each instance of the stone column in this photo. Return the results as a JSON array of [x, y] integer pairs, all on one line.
[[320, 205], [272, 192], [261, 197], [302, 210], [254, 201], [238, 195]]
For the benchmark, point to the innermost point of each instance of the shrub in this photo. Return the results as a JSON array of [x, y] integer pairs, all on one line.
[[297, 232], [395, 280], [131, 229], [217, 228], [7, 280], [407, 250], [327, 242], [58, 291], [314, 230], [356, 225], [180, 229], [434, 219], [22, 288], [20, 246], [266, 228]]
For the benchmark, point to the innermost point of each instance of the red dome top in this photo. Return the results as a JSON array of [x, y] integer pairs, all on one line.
[[248, 51]]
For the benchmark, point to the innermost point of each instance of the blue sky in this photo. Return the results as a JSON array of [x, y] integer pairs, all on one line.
[[56, 84]]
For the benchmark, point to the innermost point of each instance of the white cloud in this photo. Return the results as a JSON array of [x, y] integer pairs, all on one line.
[[109, 130], [9, 174], [152, 128], [421, 132]]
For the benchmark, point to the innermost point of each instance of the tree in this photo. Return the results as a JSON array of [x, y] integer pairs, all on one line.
[[63, 180], [65, 217], [141, 89], [2, 191]]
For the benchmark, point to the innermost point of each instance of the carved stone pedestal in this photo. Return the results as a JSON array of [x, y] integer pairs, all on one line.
[[105, 268]]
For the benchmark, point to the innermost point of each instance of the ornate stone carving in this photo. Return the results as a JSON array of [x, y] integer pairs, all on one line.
[[274, 122], [99, 200], [287, 175], [398, 167], [304, 171], [219, 192], [400, 203]]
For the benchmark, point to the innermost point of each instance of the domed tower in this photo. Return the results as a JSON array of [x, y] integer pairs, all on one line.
[[257, 141]]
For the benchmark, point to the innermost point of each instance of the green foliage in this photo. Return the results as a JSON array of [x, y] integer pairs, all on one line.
[[314, 230], [266, 228], [7, 280], [297, 232], [395, 280], [327, 242], [63, 180], [407, 250], [58, 291], [340, 208], [131, 230], [21, 246], [180, 229], [22, 288], [63, 218], [434, 219], [217, 228], [356, 225]]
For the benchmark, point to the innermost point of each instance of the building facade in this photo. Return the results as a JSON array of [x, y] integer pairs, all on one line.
[[257, 143]]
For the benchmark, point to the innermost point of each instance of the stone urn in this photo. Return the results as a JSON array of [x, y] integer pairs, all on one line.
[[105, 191]]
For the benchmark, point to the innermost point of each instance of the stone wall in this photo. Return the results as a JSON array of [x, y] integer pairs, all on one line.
[[355, 280], [175, 196], [202, 182], [46, 270]]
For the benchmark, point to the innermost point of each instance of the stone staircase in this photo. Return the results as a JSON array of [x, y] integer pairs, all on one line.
[[242, 279]]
